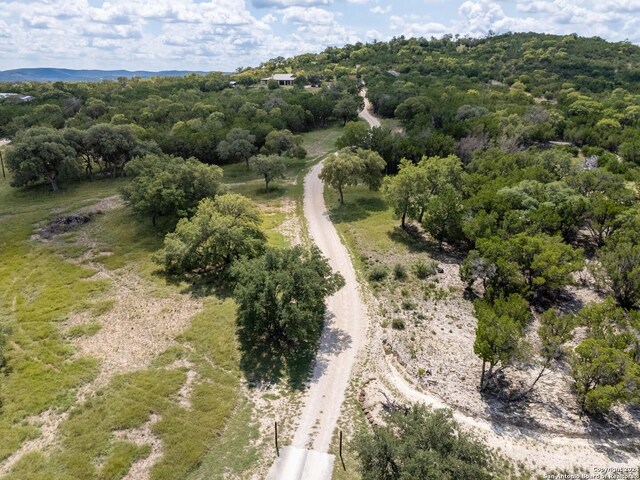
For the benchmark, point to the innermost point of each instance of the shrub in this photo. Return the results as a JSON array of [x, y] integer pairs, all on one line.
[[378, 273], [399, 271], [408, 305], [423, 269], [397, 324]]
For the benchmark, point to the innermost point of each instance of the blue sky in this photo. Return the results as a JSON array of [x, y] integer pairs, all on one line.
[[226, 34]]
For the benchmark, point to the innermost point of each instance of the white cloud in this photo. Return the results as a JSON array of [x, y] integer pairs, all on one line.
[[416, 26], [307, 16], [381, 10], [289, 3], [224, 34]]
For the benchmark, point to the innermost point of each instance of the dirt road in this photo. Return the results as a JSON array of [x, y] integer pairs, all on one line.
[[367, 113], [534, 449], [343, 334]]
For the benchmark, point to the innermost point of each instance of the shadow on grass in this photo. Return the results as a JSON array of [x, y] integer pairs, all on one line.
[[413, 239], [270, 362], [357, 209]]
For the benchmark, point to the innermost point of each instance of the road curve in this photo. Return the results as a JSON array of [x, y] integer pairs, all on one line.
[[520, 444], [343, 334], [366, 113]]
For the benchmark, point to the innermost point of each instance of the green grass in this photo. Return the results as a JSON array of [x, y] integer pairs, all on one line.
[[364, 220], [84, 330], [39, 289], [318, 143]]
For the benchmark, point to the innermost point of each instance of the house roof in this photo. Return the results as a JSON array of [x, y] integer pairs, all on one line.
[[283, 76]]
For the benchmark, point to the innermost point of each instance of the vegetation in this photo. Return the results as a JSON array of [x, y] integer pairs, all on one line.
[[281, 298], [169, 186], [517, 154], [500, 334], [221, 230], [269, 167], [422, 443], [347, 167]]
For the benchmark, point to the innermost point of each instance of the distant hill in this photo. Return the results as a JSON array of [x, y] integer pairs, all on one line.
[[68, 75]]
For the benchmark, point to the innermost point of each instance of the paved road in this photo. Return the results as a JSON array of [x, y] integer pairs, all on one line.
[[344, 333]]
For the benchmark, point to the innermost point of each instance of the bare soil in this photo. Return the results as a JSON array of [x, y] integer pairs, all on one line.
[[431, 360], [138, 327]]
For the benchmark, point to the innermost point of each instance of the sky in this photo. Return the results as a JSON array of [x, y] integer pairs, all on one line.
[[226, 34]]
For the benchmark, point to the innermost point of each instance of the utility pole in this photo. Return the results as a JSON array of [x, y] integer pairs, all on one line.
[[276, 438], [4, 175]]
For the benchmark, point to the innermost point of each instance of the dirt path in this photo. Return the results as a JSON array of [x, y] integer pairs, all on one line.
[[343, 334], [537, 450], [367, 113]]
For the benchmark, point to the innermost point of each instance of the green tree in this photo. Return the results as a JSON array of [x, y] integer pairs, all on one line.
[[42, 154], [221, 230], [162, 185], [620, 269], [555, 330], [443, 216], [604, 375], [238, 146], [78, 140], [602, 217], [269, 167], [403, 191], [281, 297], [500, 334], [283, 142], [530, 264], [115, 145], [346, 109], [347, 167], [355, 135], [424, 444], [630, 151], [604, 320]]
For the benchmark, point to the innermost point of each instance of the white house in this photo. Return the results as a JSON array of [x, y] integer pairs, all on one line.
[[282, 79]]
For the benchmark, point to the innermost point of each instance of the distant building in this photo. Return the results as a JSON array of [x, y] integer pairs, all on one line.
[[393, 73], [590, 163], [283, 79], [16, 96]]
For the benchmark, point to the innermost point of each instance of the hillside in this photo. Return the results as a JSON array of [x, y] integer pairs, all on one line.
[[70, 75], [199, 263]]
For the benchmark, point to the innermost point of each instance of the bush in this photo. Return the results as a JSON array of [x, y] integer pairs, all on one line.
[[397, 324], [399, 271], [422, 269], [378, 273], [423, 443], [408, 305]]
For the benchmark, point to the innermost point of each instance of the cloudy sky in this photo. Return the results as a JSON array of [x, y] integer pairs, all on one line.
[[225, 34]]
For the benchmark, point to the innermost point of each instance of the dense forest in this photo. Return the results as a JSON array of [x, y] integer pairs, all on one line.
[[517, 153]]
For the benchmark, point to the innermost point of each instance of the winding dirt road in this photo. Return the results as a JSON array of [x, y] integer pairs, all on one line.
[[530, 447], [367, 113], [345, 334]]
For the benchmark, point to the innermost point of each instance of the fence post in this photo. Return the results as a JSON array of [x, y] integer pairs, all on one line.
[[276, 438], [341, 459]]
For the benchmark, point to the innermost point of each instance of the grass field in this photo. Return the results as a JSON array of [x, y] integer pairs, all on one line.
[[40, 289], [42, 285]]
